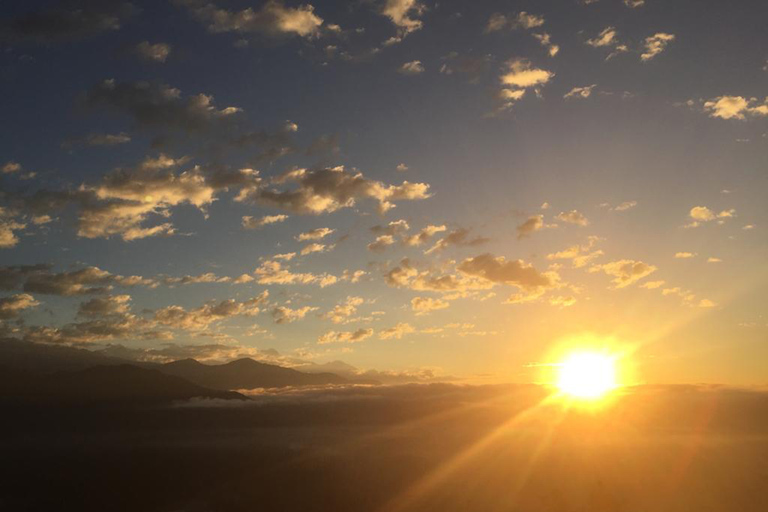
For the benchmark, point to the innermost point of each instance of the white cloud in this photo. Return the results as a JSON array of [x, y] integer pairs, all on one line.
[[251, 223], [414, 67], [315, 234], [735, 107], [573, 217], [580, 92], [656, 44]]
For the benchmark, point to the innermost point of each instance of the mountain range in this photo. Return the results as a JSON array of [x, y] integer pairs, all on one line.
[[39, 373]]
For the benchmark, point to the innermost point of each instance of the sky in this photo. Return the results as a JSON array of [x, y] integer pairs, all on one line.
[[436, 189]]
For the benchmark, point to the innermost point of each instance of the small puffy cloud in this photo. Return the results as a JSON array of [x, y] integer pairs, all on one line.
[[252, 223], [424, 305], [625, 272], [396, 227], [712, 259], [633, 4], [102, 306], [273, 19], [8, 236], [706, 303], [457, 238], [313, 248], [159, 105], [157, 52], [519, 75], [381, 243], [345, 336], [315, 234], [499, 270], [414, 67], [656, 44], [701, 214], [88, 280], [404, 14], [684, 255], [327, 190], [580, 92], [200, 318], [273, 272], [573, 217], [423, 235], [11, 307], [10, 167], [748, 227], [735, 107], [397, 332], [286, 315], [523, 20], [531, 225], [546, 41], [626, 205], [606, 37], [342, 313], [652, 285], [401, 167], [580, 255]]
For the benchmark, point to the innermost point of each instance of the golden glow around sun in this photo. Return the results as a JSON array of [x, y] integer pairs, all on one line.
[[587, 375]]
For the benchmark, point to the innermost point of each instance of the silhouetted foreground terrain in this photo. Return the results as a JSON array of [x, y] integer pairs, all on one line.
[[82, 432]]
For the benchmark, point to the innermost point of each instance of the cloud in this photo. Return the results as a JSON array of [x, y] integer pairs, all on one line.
[[714, 260], [404, 14], [523, 20], [401, 167], [414, 67], [208, 277], [580, 92], [634, 3], [159, 105], [652, 285], [102, 306], [345, 337], [518, 75], [251, 223], [200, 318], [87, 280], [315, 234], [397, 332], [11, 307], [66, 21], [531, 225], [499, 270], [8, 226], [423, 235], [625, 272], [701, 214], [656, 44], [286, 315], [157, 52], [425, 305], [573, 217], [546, 41], [381, 243], [580, 255], [313, 248], [273, 19], [395, 227], [341, 313], [626, 205], [606, 37], [735, 107], [273, 272], [327, 190], [685, 255], [457, 238]]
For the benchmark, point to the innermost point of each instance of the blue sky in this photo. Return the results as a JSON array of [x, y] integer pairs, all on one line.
[[576, 170]]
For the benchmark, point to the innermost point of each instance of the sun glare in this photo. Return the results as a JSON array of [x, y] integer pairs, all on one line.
[[587, 375]]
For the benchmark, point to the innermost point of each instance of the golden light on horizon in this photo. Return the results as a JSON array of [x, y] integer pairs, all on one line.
[[587, 375]]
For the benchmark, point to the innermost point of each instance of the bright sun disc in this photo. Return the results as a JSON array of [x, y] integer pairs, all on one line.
[[587, 375]]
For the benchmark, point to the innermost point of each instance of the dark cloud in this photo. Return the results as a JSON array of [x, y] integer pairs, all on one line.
[[66, 21]]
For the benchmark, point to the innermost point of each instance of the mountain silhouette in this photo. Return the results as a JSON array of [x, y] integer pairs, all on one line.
[[246, 374], [109, 385]]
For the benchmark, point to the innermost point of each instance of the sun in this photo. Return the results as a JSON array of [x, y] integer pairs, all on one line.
[[587, 375]]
